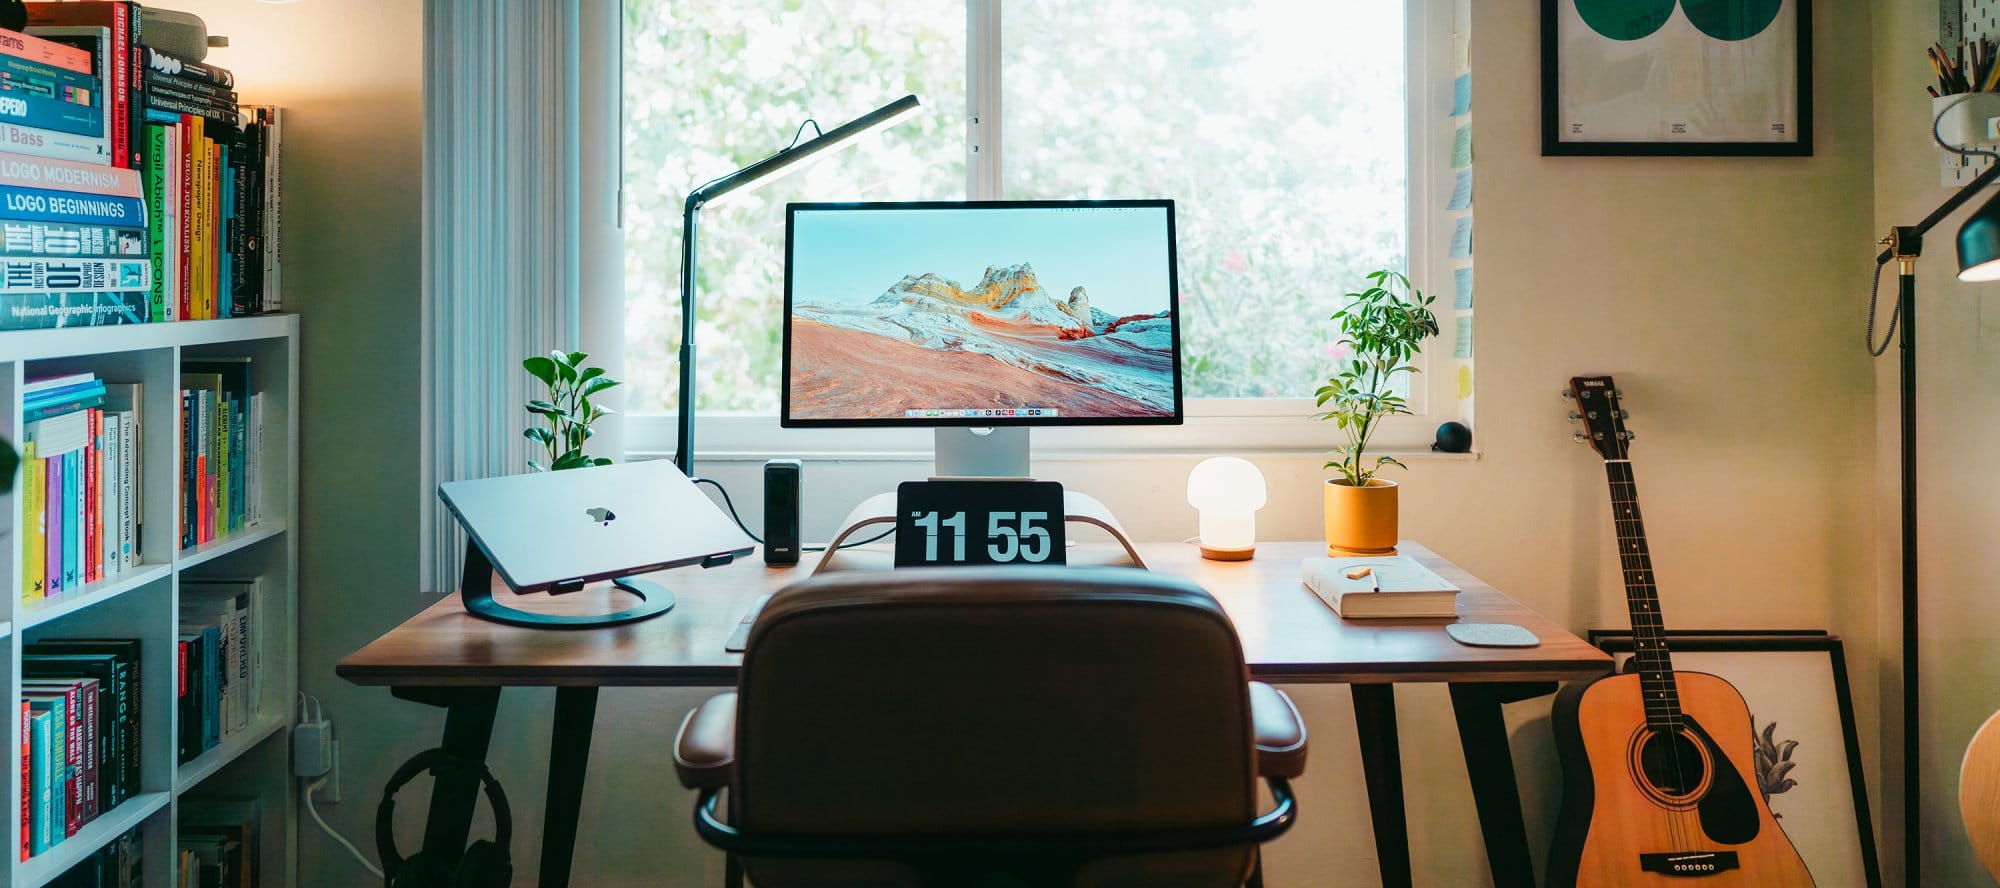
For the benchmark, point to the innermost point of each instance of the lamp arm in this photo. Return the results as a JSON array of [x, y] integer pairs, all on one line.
[[1951, 205], [684, 425]]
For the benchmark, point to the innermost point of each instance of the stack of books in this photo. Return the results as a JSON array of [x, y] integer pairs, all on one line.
[[218, 843], [115, 865], [222, 450], [81, 483], [219, 652], [133, 186], [80, 723]]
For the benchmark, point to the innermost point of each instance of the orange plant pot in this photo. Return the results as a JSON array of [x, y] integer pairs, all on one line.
[[1361, 520]]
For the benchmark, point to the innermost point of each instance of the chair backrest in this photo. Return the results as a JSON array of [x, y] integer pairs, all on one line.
[[994, 703]]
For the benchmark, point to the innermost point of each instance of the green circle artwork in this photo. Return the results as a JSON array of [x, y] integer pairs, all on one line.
[[1731, 19], [1721, 19], [1625, 19]]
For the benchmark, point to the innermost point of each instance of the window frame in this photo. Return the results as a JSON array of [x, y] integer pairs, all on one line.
[[1255, 425]]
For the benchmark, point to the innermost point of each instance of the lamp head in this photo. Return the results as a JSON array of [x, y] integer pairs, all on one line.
[[1228, 492], [799, 156], [1979, 244]]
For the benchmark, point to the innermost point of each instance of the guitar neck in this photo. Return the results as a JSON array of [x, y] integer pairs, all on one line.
[[1649, 636]]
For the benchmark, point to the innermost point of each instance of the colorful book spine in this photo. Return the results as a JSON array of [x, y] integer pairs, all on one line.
[[190, 132], [72, 519], [43, 205], [175, 66], [47, 52], [34, 479], [90, 551], [48, 143], [27, 792], [118, 17], [52, 513], [55, 114], [42, 768], [66, 275], [156, 216], [163, 100], [28, 171], [220, 96], [43, 311], [49, 239]]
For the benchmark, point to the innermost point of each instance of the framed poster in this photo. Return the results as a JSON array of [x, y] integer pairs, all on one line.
[[1677, 77], [1802, 721]]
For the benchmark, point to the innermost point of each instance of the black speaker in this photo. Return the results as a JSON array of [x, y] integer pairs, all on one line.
[[781, 510]]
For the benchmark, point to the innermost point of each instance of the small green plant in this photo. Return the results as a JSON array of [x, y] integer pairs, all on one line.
[[567, 409], [1383, 327]]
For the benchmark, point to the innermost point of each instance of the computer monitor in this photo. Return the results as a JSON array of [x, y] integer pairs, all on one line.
[[985, 314]]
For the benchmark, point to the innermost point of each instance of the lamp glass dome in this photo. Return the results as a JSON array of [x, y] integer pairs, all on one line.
[[1227, 491]]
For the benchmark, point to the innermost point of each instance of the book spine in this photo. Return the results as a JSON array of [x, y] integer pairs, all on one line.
[[123, 83], [166, 63], [72, 745], [254, 486], [91, 555], [52, 512], [187, 469], [26, 171], [219, 484], [43, 311], [183, 703], [134, 55], [128, 490], [156, 216], [45, 239], [204, 508], [160, 100], [226, 245], [30, 48], [239, 452], [27, 792], [245, 655], [175, 210], [212, 701], [69, 404], [31, 523], [43, 778], [51, 81], [55, 114], [43, 205], [92, 738], [109, 477], [190, 145], [50, 143], [190, 87], [72, 519], [67, 275]]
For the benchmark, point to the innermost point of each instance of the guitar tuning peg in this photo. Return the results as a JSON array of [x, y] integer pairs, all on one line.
[[1578, 437], [1574, 416], [1568, 395], [1626, 436], [1624, 414]]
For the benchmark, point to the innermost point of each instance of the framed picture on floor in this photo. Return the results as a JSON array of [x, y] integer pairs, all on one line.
[[1802, 721], [1677, 77]]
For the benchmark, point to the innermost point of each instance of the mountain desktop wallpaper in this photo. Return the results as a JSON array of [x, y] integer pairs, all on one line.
[[1070, 318]]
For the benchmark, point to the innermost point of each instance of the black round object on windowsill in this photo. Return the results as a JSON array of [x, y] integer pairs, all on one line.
[[1453, 437]]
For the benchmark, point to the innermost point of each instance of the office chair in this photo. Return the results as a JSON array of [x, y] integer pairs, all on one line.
[[993, 727]]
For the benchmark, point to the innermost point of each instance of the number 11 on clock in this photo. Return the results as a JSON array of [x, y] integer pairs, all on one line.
[[933, 523]]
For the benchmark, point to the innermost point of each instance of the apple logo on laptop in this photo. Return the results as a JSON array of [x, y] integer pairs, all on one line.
[[601, 515]]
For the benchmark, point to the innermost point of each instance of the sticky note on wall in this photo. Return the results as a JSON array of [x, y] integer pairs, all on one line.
[[1461, 279], [1461, 95], [1463, 349], [1461, 239], [1461, 147], [1461, 192]]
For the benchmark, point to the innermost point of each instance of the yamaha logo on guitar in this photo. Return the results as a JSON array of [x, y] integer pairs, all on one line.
[[1658, 780]]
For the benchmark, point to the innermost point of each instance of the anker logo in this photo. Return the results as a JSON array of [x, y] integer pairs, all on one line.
[[601, 515]]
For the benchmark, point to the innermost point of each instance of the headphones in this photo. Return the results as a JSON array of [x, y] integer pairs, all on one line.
[[484, 865]]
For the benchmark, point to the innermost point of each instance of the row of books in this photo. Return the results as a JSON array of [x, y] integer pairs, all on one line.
[[80, 723], [82, 484], [220, 648], [133, 186], [116, 865], [218, 844], [222, 450]]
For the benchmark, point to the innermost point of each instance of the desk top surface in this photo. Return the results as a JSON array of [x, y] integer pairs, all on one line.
[[1289, 635]]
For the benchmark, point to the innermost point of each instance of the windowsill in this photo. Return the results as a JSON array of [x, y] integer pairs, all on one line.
[[1050, 454]]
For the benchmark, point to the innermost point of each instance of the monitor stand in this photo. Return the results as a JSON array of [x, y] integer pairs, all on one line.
[[982, 452], [475, 591]]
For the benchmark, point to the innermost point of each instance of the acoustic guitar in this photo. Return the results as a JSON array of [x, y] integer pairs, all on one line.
[[1658, 779], [1979, 794]]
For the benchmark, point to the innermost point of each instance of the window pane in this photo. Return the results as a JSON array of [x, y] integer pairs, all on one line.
[[1278, 127], [714, 85]]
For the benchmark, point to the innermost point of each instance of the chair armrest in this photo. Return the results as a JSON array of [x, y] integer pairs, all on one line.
[[1279, 733], [705, 748]]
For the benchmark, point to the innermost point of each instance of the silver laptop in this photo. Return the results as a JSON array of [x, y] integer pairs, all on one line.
[[551, 530]]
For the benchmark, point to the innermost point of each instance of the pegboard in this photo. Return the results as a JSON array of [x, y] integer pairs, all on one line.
[[1965, 20]]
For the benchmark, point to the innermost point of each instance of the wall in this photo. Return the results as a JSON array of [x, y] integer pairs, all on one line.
[[1721, 292], [349, 74], [1958, 418]]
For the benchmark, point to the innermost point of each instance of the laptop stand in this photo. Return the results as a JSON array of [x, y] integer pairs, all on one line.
[[475, 590]]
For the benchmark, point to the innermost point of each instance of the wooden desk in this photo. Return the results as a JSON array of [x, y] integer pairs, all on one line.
[[445, 657]]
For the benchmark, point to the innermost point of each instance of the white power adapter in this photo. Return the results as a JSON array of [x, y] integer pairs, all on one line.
[[315, 754]]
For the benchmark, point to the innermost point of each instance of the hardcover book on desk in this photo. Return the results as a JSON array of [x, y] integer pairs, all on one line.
[[1380, 587]]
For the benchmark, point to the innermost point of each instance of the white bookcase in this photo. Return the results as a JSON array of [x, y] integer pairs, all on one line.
[[254, 763]]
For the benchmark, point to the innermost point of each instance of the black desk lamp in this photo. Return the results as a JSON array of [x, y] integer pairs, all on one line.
[[1978, 260], [792, 158]]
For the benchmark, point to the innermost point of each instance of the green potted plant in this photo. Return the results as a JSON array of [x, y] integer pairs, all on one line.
[[567, 409], [1382, 328]]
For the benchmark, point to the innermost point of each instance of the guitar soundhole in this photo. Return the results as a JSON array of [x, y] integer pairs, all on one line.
[[1670, 767]]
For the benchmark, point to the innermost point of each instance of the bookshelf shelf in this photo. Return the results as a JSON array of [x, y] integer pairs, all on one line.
[[190, 775], [38, 870], [147, 602], [47, 609], [216, 549]]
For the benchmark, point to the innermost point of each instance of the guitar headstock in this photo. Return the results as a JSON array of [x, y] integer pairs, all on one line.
[[1597, 407]]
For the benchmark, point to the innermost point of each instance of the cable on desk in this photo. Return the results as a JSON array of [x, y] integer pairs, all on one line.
[[730, 504]]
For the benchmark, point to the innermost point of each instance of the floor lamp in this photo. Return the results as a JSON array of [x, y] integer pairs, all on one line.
[[1978, 260], [792, 158]]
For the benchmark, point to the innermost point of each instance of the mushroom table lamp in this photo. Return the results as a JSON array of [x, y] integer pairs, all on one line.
[[1228, 492]]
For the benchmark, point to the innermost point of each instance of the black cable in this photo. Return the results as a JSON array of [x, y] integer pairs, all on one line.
[[733, 516]]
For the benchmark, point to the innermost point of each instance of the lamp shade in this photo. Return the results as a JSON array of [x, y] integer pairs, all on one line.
[[1227, 491], [1979, 244]]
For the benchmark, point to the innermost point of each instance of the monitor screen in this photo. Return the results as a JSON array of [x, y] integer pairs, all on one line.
[[981, 314]]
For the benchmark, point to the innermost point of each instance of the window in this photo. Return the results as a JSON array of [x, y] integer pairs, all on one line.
[[1284, 129]]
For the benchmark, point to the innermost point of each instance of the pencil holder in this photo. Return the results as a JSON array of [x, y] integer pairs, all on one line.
[[1968, 119]]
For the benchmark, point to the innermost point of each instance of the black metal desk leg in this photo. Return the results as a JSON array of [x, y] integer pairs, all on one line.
[[1382, 766], [1489, 763], [468, 728], [569, 756]]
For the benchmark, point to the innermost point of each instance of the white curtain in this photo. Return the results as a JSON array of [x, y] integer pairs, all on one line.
[[502, 234]]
